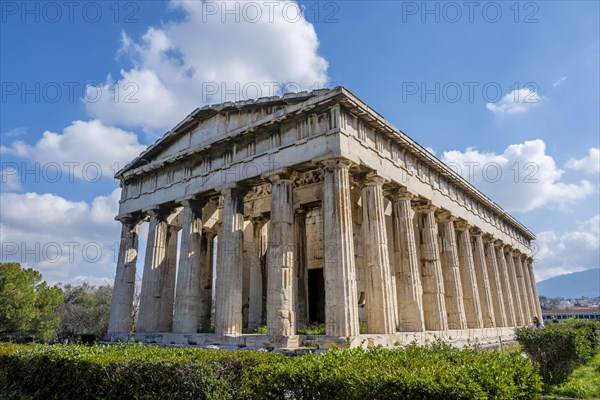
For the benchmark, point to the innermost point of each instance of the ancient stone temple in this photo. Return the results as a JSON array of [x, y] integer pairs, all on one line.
[[311, 208]]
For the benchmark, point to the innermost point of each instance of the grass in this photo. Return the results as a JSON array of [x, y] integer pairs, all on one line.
[[583, 383]]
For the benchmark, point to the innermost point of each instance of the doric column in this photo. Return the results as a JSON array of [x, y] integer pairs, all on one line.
[[494, 279], [301, 267], [434, 304], [536, 298], [228, 288], [167, 298], [186, 316], [378, 289], [206, 281], [483, 281], [281, 319], [155, 263], [528, 288], [468, 277], [522, 289], [507, 296], [516, 295], [257, 268], [408, 273], [453, 293], [341, 302], [121, 308]]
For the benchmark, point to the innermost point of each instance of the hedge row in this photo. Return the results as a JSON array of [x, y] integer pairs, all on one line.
[[135, 371], [560, 348]]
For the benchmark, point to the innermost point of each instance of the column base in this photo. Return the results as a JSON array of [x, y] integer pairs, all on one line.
[[486, 337]]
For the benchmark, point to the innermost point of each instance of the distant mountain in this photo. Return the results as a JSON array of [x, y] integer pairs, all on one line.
[[572, 286]]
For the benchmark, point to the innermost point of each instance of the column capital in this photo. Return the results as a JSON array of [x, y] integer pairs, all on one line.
[[159, 211], [462, 225], [475, 231], [341, 163], [498, 243], [233, 190], [426, 208], [444, 216], [488, 238], [399, 193], [193, 203], [281, 174], [129, 219], [508, 249], [370, 179]]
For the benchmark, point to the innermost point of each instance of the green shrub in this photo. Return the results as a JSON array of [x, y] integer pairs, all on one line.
[[559, 348], [146, 372]]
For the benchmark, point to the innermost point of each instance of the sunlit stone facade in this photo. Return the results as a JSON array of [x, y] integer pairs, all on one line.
[[311, 208]]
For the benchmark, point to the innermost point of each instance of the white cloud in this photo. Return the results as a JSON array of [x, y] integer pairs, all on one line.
[[209, 57], [87, 150], [522, 178], [559, 82], [568, 252], [61, 238], [517, 101], [589, 163]]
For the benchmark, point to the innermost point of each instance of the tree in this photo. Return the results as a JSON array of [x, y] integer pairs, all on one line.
[[84, 311], [27, 304]]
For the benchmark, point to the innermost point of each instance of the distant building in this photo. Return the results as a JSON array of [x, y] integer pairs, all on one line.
[[580, 312]]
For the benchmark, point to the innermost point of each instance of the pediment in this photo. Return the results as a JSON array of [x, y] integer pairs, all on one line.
[[213, 123]]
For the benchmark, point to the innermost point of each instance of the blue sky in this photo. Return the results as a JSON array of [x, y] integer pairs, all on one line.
[[511, 85]]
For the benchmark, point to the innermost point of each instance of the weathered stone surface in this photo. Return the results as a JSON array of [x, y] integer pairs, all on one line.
[[434, 303], [329, 250], [408, 273], [121, 312], [341, 301], [516, 295], [281, 319], [494, 280], [507, 297], [379, 300], [483, 282], [453, 292], [228, 288], [468, 277], [154, 277], [187, 310]]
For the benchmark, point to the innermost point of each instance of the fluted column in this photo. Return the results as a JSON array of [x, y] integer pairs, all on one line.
[[483, 281], [228, 288], [468, 277], [507, 295], [206, 281], [188, 291], [155, 263], [494, 279], [534, 291], [453, 293], [434, 305], [408, 273], [378, 288], [522, 289], [528, 289], [257, 268], [281, 319], [301, 267], [121, 308], [516, 295], [341, 302], [167, 298]]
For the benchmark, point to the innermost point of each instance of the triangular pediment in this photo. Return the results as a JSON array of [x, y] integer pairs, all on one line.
[[210, 124]]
